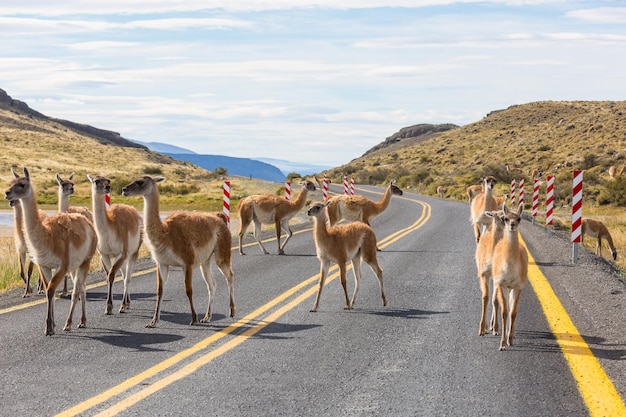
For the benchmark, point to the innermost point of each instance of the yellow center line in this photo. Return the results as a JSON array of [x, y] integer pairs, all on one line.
[[88, 287], [596, 388], [206, 358]]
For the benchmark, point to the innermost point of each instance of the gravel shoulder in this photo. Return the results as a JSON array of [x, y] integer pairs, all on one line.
[[591, 290]]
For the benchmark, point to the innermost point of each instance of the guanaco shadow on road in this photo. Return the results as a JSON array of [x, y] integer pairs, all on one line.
[[408, 313], [271, 331], [139, 341], [547, 342]]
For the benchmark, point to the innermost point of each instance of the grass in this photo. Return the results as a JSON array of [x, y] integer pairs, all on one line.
[[557, 137]]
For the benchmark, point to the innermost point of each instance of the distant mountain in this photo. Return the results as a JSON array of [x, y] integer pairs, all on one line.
[[243, 167], [287, 167], [163, 147]]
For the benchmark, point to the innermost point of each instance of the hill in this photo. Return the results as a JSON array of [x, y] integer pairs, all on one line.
[[556, 136], [48, 146]]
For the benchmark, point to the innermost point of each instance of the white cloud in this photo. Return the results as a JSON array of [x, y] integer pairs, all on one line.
[[611, 15], [312, 79]]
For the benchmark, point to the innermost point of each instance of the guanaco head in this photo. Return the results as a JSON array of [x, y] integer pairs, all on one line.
[[308, 185], [395, 190], [512, 219], [20, 186], [489, 182], [497, 217], [142, 186], [100, 184], [317, 209], [66, 186]]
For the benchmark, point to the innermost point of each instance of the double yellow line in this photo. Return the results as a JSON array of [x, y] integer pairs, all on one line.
[[253, 322]]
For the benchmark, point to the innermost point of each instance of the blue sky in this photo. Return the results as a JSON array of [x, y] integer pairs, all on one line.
[[308, 81]]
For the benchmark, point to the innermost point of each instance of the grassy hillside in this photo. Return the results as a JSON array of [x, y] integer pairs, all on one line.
[[555, 136], [558, 137], [47, 147]]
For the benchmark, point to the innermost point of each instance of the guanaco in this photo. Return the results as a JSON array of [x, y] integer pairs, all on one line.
[[597, 229]]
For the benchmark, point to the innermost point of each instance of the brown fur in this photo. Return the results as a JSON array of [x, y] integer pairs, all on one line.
[[270, 208], [536, 173], [472, 191], [342, 244], [480, 203], [65, 242], [510, 274], [441, 191], [511, 169], [612, 171], [484, 256], [597, 229], [119, 230], [66, 189], [184, 239], [24, 262], [358, 208]]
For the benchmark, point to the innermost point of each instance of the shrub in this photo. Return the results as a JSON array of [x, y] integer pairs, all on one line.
[[153, 170]]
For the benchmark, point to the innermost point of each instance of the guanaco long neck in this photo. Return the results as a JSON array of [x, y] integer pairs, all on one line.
[[384, 202], [321, 228], [151, 216], [64, 201], [32, 222], [98, 205], [18, 219], [299, 202]]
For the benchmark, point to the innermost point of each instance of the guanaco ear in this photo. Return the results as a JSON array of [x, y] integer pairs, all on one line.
[[14, 173], [59, 179], [326, 204], [158, 179], [520, 209], [90, 178], [26, 173], [71, 176], [490, 214]]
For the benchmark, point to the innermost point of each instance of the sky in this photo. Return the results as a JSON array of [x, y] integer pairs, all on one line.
[[317, 82]]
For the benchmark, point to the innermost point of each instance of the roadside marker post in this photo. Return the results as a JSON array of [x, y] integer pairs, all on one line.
[[352, 186], [346, 189], [549, 204], [513, 193], [325, 188], [226, 208], [577, 211], [521, 191], [535, 206], [288, 190]]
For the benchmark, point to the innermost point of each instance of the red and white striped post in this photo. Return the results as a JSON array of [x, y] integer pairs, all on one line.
[[513, 193], [521, 191], [535, 206], [325, 188], [227, 200], [346, 189], [577, 212], [288, 190], [549, 203], [107, 200], [352, 186]]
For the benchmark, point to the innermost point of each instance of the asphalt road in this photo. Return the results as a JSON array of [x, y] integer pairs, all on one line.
[[419, 355]]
